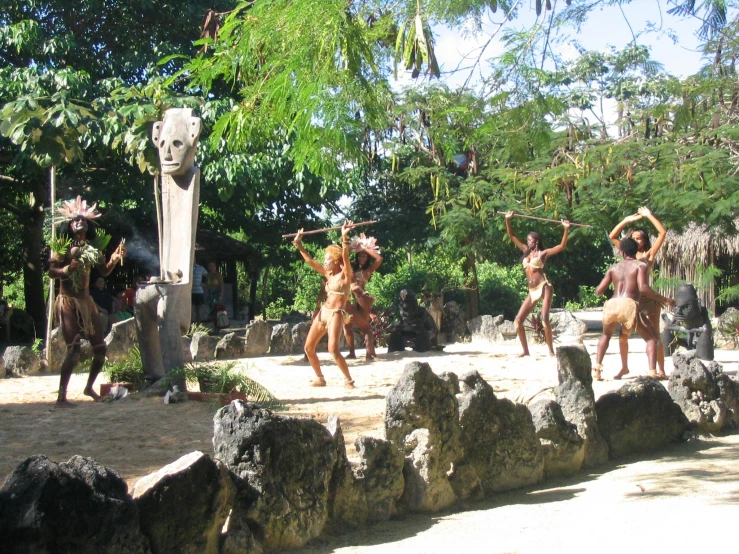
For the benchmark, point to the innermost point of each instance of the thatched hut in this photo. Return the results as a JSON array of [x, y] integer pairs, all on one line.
[[686, 255]]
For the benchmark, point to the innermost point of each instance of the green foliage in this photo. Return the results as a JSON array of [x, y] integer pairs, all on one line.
[[196, 328], [502, 289], [60, 245], [128, 370], [225, 377], [277, 308], [586, 298], [433, 271], [704, 277], [38, 346], [13, 292]]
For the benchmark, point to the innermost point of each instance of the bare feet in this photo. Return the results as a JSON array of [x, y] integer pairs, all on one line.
[[653, 373], [349, 384], [620, 374], [597, 370], [64, 404], [522, 355], [351, 356], [92, 394], [318, 382]]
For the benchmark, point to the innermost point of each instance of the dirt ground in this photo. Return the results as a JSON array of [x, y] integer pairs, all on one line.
[[687, 485]]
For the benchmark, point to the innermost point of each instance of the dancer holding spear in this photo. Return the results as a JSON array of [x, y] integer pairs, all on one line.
[[535, 256], [337, 271]]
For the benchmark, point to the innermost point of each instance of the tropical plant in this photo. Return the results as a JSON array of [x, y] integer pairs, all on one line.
[[130, 369], [221, 378]]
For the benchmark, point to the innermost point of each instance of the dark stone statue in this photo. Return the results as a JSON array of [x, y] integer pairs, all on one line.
[[416, 328], [688, 325]]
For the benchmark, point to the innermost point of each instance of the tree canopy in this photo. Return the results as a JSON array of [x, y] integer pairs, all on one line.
[[302, 110]]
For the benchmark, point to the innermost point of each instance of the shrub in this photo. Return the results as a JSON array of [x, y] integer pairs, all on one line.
[[502, 289], [128, 370]]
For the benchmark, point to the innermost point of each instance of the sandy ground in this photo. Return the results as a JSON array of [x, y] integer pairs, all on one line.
[[688, 485]]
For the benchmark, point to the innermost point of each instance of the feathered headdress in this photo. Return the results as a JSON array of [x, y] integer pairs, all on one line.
[[75, 208], [363, 242]]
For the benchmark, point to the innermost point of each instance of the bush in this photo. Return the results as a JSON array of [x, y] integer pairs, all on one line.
[[225, 378], [502, 289], [128, 370], [431, 271]]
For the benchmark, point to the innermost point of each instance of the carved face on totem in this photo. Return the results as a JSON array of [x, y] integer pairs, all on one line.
[[176, 138], [687, 306]]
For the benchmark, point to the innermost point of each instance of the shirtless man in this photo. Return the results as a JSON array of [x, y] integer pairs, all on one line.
[[629, 279], [74, 306]]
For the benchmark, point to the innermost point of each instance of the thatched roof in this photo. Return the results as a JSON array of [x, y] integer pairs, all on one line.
[[683, 253], [216, 246]]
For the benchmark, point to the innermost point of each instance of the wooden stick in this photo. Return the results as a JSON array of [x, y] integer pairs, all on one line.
[[315, 231], [544, 219], [120, 249]]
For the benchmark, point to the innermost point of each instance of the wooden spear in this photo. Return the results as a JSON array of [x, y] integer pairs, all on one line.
[[544, 219], [316, 231]]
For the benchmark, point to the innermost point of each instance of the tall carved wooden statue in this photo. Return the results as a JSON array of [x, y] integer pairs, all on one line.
[[162, 307]]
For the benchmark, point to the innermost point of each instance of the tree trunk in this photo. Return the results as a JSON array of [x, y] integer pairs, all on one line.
[[34, 284], [473, 292]]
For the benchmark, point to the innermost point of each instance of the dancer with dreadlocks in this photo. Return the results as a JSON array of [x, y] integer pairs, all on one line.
[[77, 250]]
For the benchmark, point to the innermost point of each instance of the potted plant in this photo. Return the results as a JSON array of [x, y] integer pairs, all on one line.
[[128, 372], [225, 382]]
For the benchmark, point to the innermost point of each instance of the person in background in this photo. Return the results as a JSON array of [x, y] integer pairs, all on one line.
[[6, 311], [198, 293], [214, 285], [130, 293]]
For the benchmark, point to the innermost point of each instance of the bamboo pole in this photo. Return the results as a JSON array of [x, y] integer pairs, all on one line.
[[50, 303], [544, 219], [316, 231]]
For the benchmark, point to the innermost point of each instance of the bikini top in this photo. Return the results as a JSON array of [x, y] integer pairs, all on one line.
[[336, 285], [533, 263]]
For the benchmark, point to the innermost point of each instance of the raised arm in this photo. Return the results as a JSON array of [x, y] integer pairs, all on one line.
[[105, 269], [646, 212], [298, 242], [561, 246], [375, 264], [620, 227], [521, 246]]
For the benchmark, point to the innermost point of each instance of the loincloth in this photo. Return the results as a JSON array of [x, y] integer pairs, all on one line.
[[536, 292], [82, 307], [622, 310], [327, 314]]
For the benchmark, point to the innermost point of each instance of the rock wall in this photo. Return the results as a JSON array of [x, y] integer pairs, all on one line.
[[278, 482]]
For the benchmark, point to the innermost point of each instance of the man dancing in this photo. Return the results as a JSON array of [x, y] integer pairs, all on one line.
[[73, 256], [629, 278]]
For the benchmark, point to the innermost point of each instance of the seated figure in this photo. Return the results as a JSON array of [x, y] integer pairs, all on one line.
[[416, 328], [688, 324]]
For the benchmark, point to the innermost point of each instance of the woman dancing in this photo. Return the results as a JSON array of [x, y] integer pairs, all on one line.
[[535, 256], [650, 307], [368, 259], [337, 271]]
